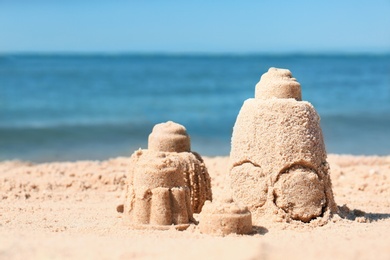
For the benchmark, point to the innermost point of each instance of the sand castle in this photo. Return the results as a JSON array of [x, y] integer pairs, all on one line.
[[167, 182], [225, 217], [278, 158]]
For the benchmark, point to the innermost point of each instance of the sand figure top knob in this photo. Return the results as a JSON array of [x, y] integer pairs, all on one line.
[[278, 83], [169, 137]]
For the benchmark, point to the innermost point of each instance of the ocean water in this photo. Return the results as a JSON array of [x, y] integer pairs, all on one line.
[[69, 107]]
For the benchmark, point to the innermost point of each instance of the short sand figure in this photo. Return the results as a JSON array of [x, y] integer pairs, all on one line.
[[167, 182], [278, 158], [225, 217]]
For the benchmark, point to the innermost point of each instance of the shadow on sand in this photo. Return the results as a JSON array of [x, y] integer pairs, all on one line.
[[258, 230], [354, 214]]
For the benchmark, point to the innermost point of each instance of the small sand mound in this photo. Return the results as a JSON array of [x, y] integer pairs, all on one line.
[[225, 217]]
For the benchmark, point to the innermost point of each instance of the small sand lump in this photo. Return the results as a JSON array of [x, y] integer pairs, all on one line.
[[278, 157], [226, 217], [167, 182], [278, 83], [169, 137]]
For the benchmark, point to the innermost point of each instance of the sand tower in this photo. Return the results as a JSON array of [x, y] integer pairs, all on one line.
[[278, 159], [167, 182]]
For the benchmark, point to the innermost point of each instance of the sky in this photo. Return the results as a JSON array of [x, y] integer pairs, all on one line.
[[152, 26]]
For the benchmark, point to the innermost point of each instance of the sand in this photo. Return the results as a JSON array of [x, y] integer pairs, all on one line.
[[166, 183], [278, 164], [68, 211]]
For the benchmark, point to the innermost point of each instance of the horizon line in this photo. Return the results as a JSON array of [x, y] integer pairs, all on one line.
[[194, 53]]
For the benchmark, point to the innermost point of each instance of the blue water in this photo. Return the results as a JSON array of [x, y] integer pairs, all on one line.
[[68, 107]]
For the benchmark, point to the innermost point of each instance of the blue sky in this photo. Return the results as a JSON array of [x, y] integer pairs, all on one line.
[[197, 26]]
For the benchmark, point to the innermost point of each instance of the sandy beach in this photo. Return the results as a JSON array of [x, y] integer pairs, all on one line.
[[175, 130], [67, 210]]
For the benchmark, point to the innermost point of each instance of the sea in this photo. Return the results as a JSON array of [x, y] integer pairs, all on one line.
[[67, 107]]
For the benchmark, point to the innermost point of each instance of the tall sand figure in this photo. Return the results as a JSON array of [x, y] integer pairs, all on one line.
[[166, 182], [278, 158]]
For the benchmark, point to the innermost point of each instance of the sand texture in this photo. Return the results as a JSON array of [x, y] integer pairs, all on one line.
[[278, 159], [68, 211], [165, 183], [223, 217], [156, 193]]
